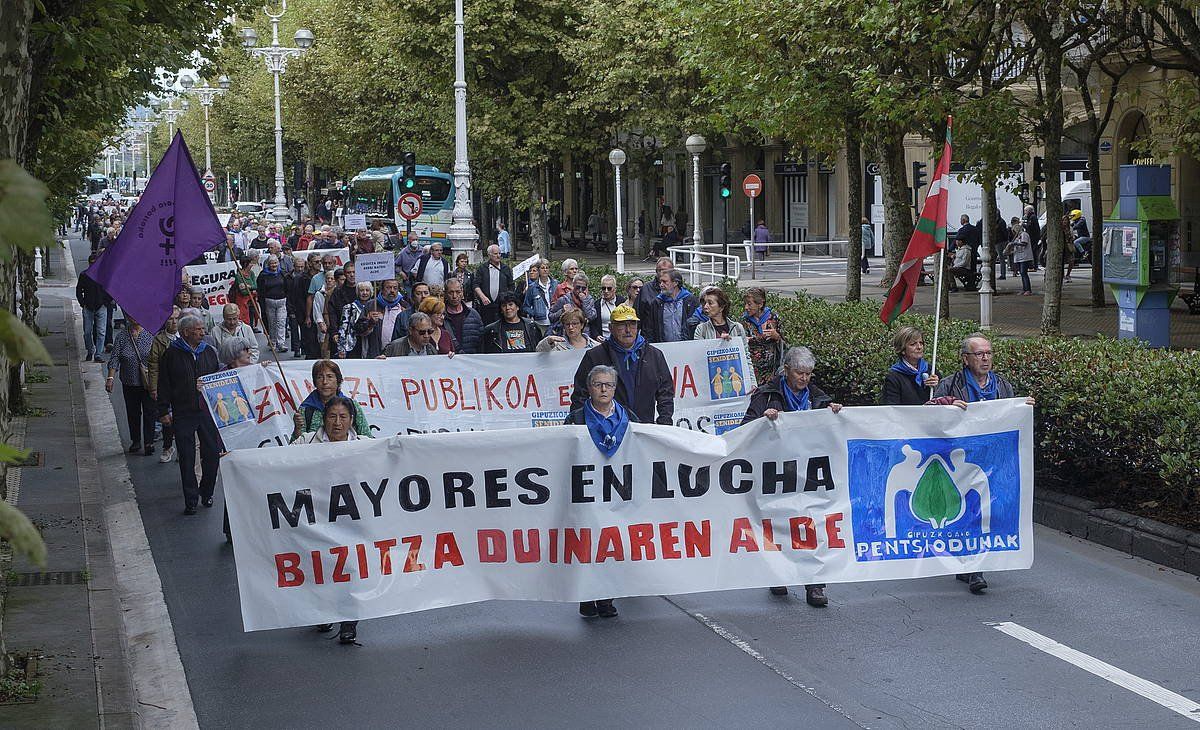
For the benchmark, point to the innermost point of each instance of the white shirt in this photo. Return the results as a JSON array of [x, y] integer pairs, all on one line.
[[606, 309], [493, 282]]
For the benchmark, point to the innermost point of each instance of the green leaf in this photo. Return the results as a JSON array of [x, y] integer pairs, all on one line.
[[25, 221], [936, 499], [11, 454], [16, 528], [20, 343]]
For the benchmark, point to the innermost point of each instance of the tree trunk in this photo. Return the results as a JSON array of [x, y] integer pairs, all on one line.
[[1097, 217], [854, 207], [990, 229], [537, 213], [897, 210], [1052, 138]]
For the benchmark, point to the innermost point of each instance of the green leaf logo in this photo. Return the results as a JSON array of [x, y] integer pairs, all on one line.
[[936, 500]]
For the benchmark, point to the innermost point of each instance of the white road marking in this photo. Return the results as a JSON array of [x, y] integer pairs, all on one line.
[[1174, 702]]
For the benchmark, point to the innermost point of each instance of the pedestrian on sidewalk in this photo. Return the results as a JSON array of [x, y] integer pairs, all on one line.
[[180, 404], [162, 341], [94, 301], [762, 236], [1022, 256], [131, 352]]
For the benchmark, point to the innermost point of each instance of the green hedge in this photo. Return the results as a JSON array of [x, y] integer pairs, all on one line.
[[1115, 421]]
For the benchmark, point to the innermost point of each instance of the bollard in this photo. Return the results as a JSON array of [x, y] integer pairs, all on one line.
[[37, 263]]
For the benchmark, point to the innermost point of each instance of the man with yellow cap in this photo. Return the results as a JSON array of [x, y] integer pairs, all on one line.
[[644, 383]]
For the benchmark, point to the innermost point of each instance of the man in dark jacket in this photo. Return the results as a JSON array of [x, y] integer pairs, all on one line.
[[970, 236], [645, 384], [668, 312], [463, 321], [181, 404], [650, 289], [512, 332], [94, 301], [792, 391], [492, 279]]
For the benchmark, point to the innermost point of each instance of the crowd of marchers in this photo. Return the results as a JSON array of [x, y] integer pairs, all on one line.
[[313, 305]]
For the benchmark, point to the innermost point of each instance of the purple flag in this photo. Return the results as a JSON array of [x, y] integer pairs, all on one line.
[[172, 224]]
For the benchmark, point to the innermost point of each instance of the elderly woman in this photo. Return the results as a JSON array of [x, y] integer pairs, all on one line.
[[272, 292], [359, 320], [1022, 255], [235, 352], [327, 384], [129, 360], [244, 290], [607, 422], [320, 325], [714, 303], [574, 334], [443, 338], [162, 341], [792, 390], [577, 298], [198, 302], [909, 379], [765, 332], [633, 290], [466, 277], [539, 294]]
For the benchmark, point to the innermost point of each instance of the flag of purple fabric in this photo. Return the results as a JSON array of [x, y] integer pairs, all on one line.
[[172, 224]]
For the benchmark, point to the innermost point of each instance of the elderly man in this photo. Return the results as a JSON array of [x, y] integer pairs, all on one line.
[[650, 290], [418, 342], [492, 279], [433, 268], [570, 267], [463, 321], [667, 313], [391, 312], [406, 259], [609, 300], [232, 326], [261, 240], [792, 390], [644, 384], [181, 405], [578, 297], [977, 381]]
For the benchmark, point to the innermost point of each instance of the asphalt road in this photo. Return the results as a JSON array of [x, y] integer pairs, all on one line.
[[921, 653]]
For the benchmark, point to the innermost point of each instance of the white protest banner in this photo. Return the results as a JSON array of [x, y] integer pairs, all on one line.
[[377, 527], [355, 222], [213, 280], [520, 269], [474, 392], [375, 266]]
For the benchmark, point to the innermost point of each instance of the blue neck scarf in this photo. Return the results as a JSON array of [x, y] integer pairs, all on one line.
[[389, 305], [680, 295], [182, 344], [699, 314], [976, 393], [362, 306], [760, 320], [796, 401], [606, 431], [633, 354], [268, 273], [314, 400], [922, 370]]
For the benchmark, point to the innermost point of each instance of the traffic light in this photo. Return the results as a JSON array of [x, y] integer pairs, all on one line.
[[919, 169], [726, 180], [1039, 169], [409, 171]]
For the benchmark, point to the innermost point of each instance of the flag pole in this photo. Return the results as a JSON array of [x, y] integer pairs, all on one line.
[[270, 345], [937, 316]]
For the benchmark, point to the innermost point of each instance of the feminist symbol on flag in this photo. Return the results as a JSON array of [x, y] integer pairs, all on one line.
[[166, 226]]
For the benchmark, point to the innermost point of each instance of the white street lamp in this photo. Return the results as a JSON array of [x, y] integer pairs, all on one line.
[[617, 158], [205, 95], [171, 114], [463, 233], [277, 57], [696, 145]]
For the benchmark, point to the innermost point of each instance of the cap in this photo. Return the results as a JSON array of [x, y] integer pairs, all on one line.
[[624, 313], [1077, 214]]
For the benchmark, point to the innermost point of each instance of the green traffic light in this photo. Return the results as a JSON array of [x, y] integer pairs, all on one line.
[[725, 192], [409, 183]]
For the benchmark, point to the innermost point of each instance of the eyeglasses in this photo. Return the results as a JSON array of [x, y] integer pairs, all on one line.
[[424, 332], [581, 287], [608, 288], [604, 386], [982, 354]]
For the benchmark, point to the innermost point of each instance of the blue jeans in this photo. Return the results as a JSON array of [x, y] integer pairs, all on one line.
[[94, 323], [1023, 269]]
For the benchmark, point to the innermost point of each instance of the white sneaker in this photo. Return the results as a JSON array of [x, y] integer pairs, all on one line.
[[167, 455]]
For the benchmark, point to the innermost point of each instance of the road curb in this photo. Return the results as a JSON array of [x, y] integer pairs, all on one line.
[[161, 694], [1173, 547]]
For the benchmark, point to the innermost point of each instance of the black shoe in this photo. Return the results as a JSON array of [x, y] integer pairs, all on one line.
[[347, 634], [207, 501], [976, 584], [136, 447], [815, 596], [779, 590], [189, 510], [587, 609], [99, 359], [148, 450], [605, 608], [229, 538], [324, 628]]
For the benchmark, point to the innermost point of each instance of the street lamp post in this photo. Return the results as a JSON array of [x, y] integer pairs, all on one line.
[[696, 145], [463, 233], [205, 95], [170, 114], [277, 57], [617, 158]]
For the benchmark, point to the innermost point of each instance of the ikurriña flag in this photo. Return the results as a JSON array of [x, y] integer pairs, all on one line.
[[172, 224], [927, 239]]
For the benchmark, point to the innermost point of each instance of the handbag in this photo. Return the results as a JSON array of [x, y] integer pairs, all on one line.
[[143, 371]]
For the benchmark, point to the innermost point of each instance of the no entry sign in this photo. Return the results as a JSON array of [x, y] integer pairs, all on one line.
[[752, 185], [409, 206]]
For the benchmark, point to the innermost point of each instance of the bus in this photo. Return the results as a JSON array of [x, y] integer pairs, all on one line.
[[95, 184], [375, 191]]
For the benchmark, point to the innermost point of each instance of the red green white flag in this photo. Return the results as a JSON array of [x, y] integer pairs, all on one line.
[[928, 238]]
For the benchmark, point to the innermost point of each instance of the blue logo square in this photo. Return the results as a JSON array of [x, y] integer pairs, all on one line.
[[935, 497]]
